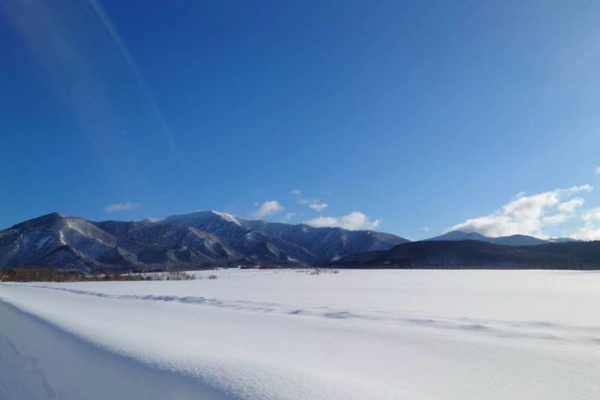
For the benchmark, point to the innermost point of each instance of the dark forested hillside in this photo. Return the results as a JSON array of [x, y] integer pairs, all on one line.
[[478, 254]]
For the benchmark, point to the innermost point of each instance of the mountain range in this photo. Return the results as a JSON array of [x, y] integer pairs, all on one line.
[[211, 238], [513, 240], [199, 239], [477, 254]]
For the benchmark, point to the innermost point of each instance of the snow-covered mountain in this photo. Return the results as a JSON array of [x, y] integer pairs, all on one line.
[[70, 242], [190, 240], [300, 242], [513, 240]]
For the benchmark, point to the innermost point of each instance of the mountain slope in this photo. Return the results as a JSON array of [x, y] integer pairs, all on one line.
[[186, 241], [59, 240], [300, 242], [74, 243]]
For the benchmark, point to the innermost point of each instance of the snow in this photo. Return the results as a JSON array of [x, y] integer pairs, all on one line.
[[228, 217], [42, 242], [291, 335], [153, 220]]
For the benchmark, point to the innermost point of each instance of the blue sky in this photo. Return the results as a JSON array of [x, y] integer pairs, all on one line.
[[407, 117]]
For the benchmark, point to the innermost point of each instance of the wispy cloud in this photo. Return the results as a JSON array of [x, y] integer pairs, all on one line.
[[591, 225], [314, 204], [424, 229], [298, 195], [318, 206], [268, 208], [528, 215], [353, 221], [597, 170], [288, 216], [119, 207], [571, 205]]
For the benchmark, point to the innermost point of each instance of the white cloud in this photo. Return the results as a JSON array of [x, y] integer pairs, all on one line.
[[424, 229], [318, 206], [527, 215], [592, 215], [298, 195], [597, 171], [268, 208], [556, 218], [576, 189], [567, 210], [118, 207], [315, 204], [288, 216], [588, 232], [353, 221], [571, 205], [591, 226]]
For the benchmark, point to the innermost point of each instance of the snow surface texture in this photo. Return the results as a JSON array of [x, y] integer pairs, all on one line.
[[292, 335]]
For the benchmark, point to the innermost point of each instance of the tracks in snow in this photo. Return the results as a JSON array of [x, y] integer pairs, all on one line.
[[536, 330]]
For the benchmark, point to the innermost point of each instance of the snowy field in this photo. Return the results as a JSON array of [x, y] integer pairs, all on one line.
[[291, 335]]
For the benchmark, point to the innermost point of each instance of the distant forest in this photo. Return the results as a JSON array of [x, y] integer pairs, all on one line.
[[472, 254]]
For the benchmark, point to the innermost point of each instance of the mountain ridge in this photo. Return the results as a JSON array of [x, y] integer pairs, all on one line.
[[476, 254], [511, 240], [202, 238]]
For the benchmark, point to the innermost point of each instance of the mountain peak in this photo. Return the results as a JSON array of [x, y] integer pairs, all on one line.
[[227, 217], [512, 240], [459, 235], [44, 219], [54, 215], [201, 217]]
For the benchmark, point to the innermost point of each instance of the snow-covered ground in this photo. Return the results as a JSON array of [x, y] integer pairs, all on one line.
[[292, 335]]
